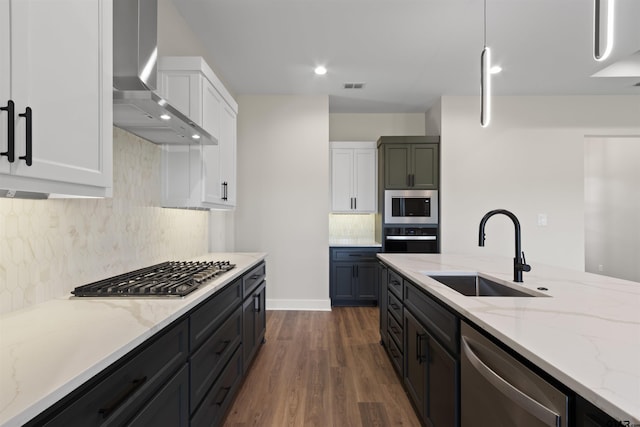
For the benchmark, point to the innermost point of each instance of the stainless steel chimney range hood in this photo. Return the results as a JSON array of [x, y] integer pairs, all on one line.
[[137, 107]]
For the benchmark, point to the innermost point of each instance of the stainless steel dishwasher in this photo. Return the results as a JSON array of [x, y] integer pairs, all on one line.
[[497, 390]]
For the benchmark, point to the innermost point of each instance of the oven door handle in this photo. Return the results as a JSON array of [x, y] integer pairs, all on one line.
[[411, 237]]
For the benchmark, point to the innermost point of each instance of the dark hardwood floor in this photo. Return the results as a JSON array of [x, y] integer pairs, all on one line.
[[322, 369]]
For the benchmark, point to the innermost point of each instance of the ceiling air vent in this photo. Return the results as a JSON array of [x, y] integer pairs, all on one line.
[[354, 85]]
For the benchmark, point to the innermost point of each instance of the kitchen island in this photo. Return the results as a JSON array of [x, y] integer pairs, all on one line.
[[49, 350], [585, 333]]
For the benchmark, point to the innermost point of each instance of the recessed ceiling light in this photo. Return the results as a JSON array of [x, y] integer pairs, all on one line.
[[165, 117], [320, 70], [195, 136]]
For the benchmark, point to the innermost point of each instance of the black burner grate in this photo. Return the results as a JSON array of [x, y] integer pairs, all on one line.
[[171, 278]]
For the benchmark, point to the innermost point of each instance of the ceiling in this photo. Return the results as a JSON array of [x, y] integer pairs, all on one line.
[[409, 53]]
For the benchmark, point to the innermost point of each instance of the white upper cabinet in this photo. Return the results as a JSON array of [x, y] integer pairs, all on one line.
[[57, 71], [353, 177], [199, 176]]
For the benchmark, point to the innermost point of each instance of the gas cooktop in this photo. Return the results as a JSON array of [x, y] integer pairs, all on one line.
[[171, 278]]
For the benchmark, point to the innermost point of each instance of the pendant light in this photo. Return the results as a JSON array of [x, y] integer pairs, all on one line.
[[599, 8], [485, 77]]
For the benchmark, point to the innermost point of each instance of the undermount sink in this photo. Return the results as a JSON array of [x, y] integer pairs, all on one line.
[[473, 285]]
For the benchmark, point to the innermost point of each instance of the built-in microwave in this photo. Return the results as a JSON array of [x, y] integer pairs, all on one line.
[[411, 207]]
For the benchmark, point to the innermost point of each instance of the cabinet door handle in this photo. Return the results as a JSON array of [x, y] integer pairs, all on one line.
[[419, 345], [11, 138], [28, 119], [225, 190], [355, 203], [220, 400], [256, 303], [223, 347], [122, 396]]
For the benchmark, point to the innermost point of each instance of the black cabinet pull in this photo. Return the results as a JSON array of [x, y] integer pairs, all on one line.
[[223, 347], [27, 115], [394, 329], [220, 400], [122, 396], [11, 138], [419, 355], [355, 203], [256, 303], [394, 306], [225, 190]]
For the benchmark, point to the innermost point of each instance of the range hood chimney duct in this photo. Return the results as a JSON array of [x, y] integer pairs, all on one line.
[[137, 107]]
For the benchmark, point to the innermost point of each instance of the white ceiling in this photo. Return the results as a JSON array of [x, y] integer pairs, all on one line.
[[410, 52]]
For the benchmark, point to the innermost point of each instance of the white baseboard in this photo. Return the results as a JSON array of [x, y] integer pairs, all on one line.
[[299, 304]]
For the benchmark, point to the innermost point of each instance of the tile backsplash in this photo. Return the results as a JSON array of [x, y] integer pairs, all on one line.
[[356, 226], [48, 247]]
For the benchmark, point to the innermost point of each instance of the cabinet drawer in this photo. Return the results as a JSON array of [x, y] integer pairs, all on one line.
[[209, 360], [395, 283], [440, 322], [215, 404], [395, 355], [169, 406], [394, 307], [206, 319], [395, 330], [355, 255], [120, 395], [252, 279]]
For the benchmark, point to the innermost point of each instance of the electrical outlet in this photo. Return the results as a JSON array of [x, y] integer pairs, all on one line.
[[542, 219]]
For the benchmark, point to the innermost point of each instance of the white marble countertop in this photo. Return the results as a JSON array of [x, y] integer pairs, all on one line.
[[586, 335], [48, 350], [353, 242]]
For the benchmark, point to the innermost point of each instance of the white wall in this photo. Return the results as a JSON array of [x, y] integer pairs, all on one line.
[[283, 190], [529, 160], [612, 207], [370, 127]]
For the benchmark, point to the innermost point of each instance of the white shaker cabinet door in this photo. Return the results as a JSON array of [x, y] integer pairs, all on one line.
[[5, 80], [228, 144], [365, 180], [342, 180], [61, 70]]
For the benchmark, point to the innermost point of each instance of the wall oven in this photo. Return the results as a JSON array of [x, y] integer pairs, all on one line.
[[411, 207], [411, 239]]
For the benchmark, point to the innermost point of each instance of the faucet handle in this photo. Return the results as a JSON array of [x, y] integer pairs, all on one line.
[[523, 265]]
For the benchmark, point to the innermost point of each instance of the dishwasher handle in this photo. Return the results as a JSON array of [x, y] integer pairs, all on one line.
[[535, 408]]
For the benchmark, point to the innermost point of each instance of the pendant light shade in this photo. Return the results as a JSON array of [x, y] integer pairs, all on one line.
[[603, 24], [485, 77], [485, 87]]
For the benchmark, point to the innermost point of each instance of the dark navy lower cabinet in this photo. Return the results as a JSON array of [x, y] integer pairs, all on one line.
[[186, 375], [354, 276]]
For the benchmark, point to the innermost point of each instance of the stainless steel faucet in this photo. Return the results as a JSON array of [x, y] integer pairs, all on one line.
[[519, 262]]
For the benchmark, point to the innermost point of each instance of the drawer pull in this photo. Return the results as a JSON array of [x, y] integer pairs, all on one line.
[[394, 283], [225, 392], [120, 398], [394, 306], [394, 329], [223, 347]]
